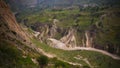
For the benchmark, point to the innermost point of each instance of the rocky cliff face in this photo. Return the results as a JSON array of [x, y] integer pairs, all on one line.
[[70, 38], [9, 24], [45, 31], [89, 39]]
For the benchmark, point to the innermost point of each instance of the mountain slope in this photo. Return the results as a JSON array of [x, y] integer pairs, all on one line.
[[8, 19], [43, 4], [12, 38], [16, 50]]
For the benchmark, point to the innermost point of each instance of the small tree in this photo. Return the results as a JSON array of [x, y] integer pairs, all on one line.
[[43, 61]]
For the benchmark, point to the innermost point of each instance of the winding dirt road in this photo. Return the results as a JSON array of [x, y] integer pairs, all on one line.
[[96, 50], [83, 48]]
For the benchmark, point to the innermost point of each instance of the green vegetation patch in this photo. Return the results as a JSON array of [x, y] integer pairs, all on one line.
[[11, 57]]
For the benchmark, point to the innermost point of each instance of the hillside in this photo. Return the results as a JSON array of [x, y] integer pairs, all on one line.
[[12, 41], [76, 27], [57, 34]]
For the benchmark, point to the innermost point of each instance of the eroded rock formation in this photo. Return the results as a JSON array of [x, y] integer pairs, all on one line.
[[69, 39]]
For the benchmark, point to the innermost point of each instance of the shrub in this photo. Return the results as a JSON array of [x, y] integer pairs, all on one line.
[[43, 61]]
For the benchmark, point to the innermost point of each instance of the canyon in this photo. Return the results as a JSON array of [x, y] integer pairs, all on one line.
[[85, 34]]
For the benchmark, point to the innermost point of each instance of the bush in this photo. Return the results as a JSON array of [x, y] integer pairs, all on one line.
[[43, 61]]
